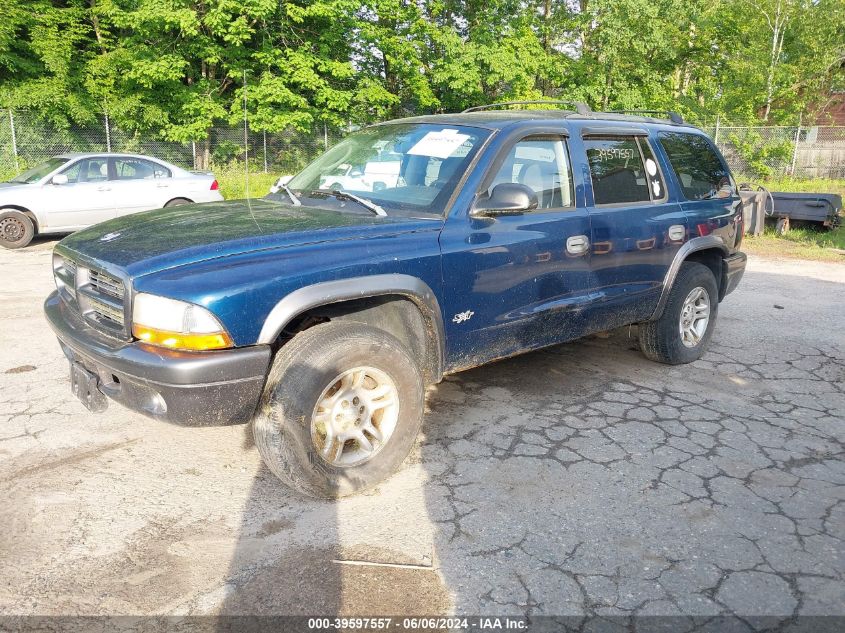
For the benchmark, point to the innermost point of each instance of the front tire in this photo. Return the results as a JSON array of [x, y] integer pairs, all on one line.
[[341, 409], [683, 332], [16, 229]]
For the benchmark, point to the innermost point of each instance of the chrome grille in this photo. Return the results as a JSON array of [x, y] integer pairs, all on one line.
[[104, 311], [104, 283], [95, 294]]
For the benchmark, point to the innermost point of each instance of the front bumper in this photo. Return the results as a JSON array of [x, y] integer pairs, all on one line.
[[190, 388], [733, 269]]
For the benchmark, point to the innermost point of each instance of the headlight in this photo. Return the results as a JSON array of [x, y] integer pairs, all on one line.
[[177, 324]]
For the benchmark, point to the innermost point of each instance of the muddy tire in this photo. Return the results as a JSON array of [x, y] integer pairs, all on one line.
[[341, 409], [683, 331], [16, 229]]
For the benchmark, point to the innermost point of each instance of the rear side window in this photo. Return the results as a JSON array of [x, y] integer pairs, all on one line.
[[137, 169], [618, 173], [700, 172]]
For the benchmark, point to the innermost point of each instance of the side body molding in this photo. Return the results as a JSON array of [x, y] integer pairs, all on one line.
[[695, 244], [329, 292]]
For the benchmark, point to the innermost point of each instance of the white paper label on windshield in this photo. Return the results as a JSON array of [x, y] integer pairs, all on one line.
[[440, 144]]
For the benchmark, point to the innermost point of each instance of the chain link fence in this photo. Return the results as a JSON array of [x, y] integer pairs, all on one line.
[[26, 141], [777, 151], [752, 152]]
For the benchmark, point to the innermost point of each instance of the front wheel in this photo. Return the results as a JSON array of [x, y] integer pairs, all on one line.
[[341, 409], [683, 331], [16, 229]]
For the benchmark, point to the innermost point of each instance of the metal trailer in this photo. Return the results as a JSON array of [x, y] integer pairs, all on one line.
[[823, 209]]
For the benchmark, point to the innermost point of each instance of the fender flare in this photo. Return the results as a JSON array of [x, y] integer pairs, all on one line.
[[693, 245], [329, 292]]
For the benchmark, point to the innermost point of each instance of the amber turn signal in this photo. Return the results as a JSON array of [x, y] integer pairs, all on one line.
[[180, 340]]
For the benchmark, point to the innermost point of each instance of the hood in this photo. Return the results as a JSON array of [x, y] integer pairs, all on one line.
[[147, 242]]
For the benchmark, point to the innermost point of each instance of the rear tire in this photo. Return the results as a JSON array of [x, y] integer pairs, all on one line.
[[667, 340], [294, 425], [178, 202], [16, 229]]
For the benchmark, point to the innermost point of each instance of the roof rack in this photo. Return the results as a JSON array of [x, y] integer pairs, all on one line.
[[674, 117], [580, 106]]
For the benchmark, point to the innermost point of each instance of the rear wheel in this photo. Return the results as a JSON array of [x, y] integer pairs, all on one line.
[[16, 229], [341, 409], [683, 331], [177, 202]]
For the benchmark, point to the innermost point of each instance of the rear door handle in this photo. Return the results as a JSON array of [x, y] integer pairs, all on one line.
[[577, 244]]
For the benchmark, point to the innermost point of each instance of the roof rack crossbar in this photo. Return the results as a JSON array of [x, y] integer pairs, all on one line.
[[580, 107], [674, 117]]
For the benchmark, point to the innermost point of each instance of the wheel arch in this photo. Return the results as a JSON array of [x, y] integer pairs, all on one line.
[[25, 211], [708, 250], [400, 304], [177, 198]]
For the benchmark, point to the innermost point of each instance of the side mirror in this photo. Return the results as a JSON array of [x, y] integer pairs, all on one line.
[[283, 180], [59, 179], [507, 198]]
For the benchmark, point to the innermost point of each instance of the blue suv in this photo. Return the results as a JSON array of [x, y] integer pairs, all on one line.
[[412, 249]]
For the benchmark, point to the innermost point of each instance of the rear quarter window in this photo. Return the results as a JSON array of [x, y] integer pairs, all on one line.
[[698, 168]]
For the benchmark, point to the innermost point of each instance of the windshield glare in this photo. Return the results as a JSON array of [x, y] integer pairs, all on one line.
[[37, 173], [410, 167]]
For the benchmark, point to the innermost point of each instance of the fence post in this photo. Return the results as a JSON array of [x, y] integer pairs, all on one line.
[[795, 148], [14, 138], [108, 133], [194, 152], [716, 133], [264, 133]]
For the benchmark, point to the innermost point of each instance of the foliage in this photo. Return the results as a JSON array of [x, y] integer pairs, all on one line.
[[760, 154], [172, 68]]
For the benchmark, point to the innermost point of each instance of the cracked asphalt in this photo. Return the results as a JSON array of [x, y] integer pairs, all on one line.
[[582, 480]]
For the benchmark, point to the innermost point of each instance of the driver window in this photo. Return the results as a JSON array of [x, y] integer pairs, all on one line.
[[88, 170], [74, 171], [542, 164]]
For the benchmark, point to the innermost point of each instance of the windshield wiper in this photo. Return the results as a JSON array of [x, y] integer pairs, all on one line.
[[296, 202], [345, 195]]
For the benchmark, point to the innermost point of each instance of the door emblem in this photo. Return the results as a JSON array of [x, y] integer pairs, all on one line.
[[460, 317]]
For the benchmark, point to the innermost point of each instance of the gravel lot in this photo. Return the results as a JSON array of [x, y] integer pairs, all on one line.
[[579, 480]]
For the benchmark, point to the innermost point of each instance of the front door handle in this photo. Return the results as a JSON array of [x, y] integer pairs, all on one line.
[[103, 188], [577, 244]]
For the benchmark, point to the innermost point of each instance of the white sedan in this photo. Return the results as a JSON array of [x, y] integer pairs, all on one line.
[[72, 191]]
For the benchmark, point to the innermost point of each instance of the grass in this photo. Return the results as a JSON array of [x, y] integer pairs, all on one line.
[[233, 182], [797, 185], [799, 243]]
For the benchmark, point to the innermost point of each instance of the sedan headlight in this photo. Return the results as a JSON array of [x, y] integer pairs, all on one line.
[[176, 324]]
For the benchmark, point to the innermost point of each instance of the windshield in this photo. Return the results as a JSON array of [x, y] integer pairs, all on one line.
[[400, 167], [37, 173]]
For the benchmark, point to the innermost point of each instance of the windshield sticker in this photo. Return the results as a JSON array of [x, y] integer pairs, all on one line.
[[440, 144]]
